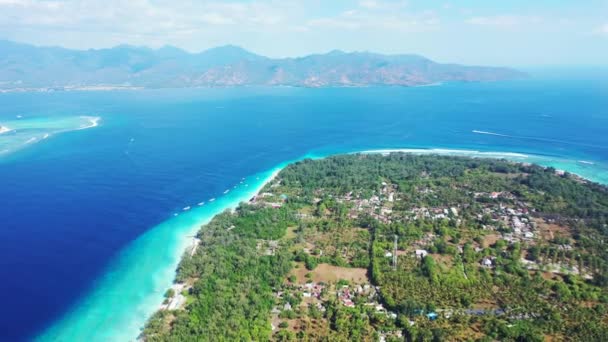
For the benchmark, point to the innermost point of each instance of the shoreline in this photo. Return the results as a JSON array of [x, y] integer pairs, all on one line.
[[4, 129], [173, 237], [84, 122], [93, 122], [516, 157], [195, 242], [179, 230], [448, 152]]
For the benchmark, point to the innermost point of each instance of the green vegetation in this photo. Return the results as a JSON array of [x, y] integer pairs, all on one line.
[[419, 248]]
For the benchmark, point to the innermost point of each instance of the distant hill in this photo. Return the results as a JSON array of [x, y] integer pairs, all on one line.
[[25, 66]]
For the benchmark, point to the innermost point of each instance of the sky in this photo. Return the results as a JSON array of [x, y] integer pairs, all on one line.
[[482, 32]]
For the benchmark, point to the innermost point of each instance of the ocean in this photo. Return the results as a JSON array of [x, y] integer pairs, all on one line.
[[93, 221]]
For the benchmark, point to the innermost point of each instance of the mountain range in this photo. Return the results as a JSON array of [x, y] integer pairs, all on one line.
[[27, 67]]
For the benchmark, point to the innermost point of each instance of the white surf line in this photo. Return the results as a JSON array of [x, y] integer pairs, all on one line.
[[232, 205], [93, 122], [438, 151], [536, 159], [4, 129]]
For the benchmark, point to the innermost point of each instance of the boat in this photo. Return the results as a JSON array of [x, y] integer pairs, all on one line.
[[186, 208], [227, 191], [201, 203], [211, 200]]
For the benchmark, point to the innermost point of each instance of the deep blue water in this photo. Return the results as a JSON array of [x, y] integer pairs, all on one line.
[[68, 205]]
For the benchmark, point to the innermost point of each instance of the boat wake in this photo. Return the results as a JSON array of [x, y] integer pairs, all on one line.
[[565, 142], [491, 133]]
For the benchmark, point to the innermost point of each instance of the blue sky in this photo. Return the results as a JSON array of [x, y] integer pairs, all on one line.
[[486, 32]]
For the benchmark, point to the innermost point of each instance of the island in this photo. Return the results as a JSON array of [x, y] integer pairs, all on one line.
[[394, 247], [128, 67]]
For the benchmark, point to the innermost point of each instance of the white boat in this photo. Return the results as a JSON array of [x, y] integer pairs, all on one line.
[[186, 208], [211, 200], [201, 203], [227, 191]]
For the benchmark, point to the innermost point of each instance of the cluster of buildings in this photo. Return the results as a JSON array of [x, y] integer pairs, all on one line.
[[519, 225], [433, 213], [378, 206], [346, 297], [274, 201], [312, 290]]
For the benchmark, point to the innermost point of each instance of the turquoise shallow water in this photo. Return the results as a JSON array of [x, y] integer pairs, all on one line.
[[593, 171], [89, 241], [127, 295], [23, 132]]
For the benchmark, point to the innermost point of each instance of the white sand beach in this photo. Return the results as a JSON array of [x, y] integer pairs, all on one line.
[[4, 129], [191, 243], [93, 122], [451, 152]]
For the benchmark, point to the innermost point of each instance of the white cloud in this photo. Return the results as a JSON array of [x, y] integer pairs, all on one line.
[[505, 21], [14, 2], [376, 15], [297, 27], [136, 15], [157, 22], [368, 4], [382, 5], [79, 23], [336, 23], [602, 30]]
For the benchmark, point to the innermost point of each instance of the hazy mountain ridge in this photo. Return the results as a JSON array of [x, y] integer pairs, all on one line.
[[25, 66]]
